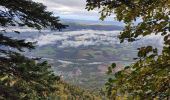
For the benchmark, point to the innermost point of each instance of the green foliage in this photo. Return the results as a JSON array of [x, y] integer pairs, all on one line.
[[110, 68], [149, 76], [27, 13], [23, 77], [70, 92]]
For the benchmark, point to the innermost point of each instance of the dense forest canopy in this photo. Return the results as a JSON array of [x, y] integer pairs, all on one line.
[[23, 77], [149, 76]]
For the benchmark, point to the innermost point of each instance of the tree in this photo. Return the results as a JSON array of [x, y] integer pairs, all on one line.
[[149, 76], [22, 77]]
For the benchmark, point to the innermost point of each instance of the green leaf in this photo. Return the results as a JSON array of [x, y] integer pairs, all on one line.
[[113, 65]]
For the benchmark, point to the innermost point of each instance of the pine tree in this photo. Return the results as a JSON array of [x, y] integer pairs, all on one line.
[[22, 77], [149, 76]]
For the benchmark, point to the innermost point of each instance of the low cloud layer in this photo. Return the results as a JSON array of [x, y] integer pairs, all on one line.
[[77, 38], [85, 38]]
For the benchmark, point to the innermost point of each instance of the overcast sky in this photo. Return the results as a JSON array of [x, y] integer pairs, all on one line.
[[71, 9]]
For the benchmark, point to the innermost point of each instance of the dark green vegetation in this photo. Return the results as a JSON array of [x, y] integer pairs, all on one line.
[[27, 78], [149, 76], [71, 92]]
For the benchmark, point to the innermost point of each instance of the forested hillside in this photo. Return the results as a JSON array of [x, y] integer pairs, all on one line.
[[44, 58], [67, 91], [24, 77]]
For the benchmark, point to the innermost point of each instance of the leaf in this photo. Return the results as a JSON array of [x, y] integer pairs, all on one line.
[[127, 67], [113, 65], [109, 70]]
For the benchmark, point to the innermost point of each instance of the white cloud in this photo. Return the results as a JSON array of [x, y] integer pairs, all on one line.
[[61, 6], [71, 8], [77, 38], [85, 38]]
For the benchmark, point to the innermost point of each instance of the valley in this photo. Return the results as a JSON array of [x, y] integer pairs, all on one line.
[[81, 55]]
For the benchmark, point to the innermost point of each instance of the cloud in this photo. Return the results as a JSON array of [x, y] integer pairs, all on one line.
[[71, 9], [65, 6], [84, 38], [70, 3], [77, 38]]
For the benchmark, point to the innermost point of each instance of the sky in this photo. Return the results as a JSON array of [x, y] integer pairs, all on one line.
[[71, 9]]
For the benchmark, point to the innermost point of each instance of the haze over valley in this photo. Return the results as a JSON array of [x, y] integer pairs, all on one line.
[[82, 52]]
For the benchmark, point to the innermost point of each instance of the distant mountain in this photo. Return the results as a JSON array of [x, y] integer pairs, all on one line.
[[92, 25], [99, 22]]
